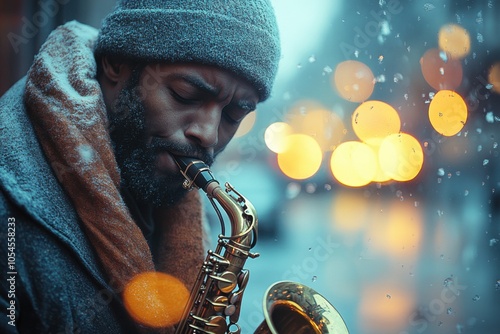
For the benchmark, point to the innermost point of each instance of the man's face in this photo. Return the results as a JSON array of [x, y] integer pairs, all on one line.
[[165, 110]]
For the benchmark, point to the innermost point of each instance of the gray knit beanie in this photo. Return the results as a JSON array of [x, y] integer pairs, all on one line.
[[237, 35]]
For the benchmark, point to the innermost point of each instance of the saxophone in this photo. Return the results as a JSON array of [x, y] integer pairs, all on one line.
[[215, 301]]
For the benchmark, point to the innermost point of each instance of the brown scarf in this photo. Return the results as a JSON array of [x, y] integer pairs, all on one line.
[[66, 106]]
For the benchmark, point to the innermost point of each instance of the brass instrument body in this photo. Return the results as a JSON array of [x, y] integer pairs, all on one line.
[[214, 307]]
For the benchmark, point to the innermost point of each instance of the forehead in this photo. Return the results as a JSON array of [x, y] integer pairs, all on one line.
[[201, 76]]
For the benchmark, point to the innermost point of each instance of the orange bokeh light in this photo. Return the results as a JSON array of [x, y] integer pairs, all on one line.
[[354, 81], [494, 77], [155, 299], [301, 157], [323, 125], [454, 40], [448, 112], [440, 71]]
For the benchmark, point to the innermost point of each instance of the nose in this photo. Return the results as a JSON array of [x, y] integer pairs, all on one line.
[[204, 127]]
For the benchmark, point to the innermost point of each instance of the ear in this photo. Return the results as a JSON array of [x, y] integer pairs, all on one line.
[[115, 71], [113, 76]]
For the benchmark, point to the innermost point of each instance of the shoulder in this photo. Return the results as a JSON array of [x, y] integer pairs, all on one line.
[[13, 97]]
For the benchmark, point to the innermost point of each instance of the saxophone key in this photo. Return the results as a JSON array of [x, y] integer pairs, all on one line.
[[226, 282], [219, 304], [216, 325]]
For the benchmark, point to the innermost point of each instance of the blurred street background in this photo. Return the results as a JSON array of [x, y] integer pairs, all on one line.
[[374, 166]]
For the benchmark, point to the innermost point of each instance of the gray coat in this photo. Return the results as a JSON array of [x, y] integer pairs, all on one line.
[[52, 281]]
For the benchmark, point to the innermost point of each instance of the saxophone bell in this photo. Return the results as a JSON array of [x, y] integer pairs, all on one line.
[[291, 307]]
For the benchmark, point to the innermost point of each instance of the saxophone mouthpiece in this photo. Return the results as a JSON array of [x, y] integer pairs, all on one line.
[[195, 171], [182, 162]]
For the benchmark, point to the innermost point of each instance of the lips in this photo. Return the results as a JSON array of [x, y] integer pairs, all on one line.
[[165, 162]]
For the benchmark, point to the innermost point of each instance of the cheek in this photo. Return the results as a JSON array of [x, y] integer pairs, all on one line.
[[160, 119]]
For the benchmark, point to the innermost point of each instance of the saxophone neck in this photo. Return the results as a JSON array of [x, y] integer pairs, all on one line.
[[241, 213]]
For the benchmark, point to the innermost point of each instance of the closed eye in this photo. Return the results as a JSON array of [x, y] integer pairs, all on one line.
[[234, 115], [184, 98], [189, 89]]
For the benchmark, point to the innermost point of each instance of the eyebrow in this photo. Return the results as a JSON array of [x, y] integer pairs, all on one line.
[[199, 83]]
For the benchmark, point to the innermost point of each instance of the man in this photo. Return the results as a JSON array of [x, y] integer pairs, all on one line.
[[90, 195]]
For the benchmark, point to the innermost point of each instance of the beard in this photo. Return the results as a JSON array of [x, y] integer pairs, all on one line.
[[136, 155]]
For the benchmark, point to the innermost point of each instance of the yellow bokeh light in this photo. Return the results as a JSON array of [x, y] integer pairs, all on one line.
[[440, 71], [301, 158], [246, 125], [454, 40], [447, 112], [321, 124], [353, 164], [401, 156], [494, 77], [374, 120], [354, 81], [275, 136], [380, 175], [155, 299]]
